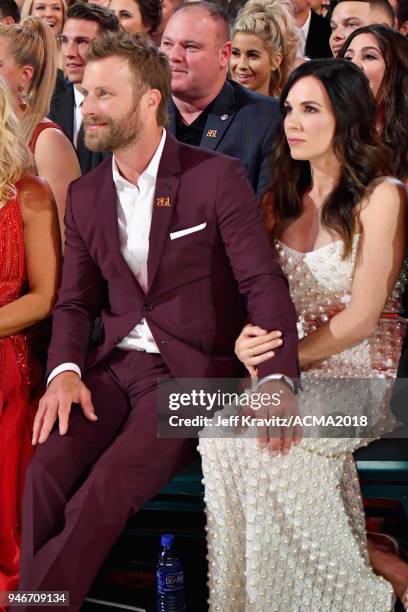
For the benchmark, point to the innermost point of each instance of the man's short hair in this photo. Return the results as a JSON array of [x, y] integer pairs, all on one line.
[[104, 17], [9, 8], [377, 4], [149, 65], [216, 12]]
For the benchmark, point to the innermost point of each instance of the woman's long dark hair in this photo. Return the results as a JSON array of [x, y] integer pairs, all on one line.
[[392, 97], [356, 144]]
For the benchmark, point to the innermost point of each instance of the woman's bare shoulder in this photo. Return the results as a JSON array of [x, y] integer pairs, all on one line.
[[35, 194]]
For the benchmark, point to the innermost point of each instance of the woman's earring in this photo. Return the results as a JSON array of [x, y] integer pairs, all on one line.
[[22, 97]]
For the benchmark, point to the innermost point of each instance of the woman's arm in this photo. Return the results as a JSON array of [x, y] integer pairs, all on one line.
[[43, 254], [382, 249], [381, 252], [56, 161]]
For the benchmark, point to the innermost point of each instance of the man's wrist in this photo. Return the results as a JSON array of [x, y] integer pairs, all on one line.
[[64, 367]]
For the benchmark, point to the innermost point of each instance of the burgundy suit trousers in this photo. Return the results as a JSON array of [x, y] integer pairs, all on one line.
[[82, 487]]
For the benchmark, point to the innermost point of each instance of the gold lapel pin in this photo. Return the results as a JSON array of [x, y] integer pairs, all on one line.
[[212, 133], [163, 202]]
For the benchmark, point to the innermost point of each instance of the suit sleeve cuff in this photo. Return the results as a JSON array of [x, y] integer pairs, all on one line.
[[286, 379], [64, 367]]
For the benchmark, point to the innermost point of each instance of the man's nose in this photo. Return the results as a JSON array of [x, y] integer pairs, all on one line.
[[175, 54], [88, 106], [70, 49]]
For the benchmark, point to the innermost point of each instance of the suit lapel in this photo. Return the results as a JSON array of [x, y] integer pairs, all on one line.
[[219, 118], [84, 154], [163, 205], [62, 112], [107, 206]]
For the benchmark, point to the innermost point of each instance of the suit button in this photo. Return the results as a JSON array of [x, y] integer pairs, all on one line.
[[148, 307]]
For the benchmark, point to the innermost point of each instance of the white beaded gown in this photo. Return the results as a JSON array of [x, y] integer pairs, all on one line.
[[287, 533]]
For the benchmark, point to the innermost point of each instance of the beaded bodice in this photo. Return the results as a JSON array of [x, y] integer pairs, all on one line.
[[12, 255], [320, 284]]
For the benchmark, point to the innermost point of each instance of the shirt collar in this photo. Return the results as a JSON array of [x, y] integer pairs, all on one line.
[[78, 97], [149, 173]]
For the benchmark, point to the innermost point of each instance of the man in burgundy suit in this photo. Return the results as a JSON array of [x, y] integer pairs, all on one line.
[[160, 242]]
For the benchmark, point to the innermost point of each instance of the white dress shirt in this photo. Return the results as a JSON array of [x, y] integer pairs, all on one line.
[[303, 33], [135, 210], [79, 98]]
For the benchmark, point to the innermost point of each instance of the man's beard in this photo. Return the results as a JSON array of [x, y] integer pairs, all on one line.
[[115, 134]]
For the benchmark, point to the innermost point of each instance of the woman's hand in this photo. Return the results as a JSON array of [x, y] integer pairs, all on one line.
[[255, 345]]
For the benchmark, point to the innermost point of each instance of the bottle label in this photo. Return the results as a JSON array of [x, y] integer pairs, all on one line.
[[168, 583]]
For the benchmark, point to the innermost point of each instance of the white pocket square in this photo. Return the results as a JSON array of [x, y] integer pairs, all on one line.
[[188, 230]]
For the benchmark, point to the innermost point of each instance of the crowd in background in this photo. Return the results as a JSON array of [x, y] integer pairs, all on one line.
[[225, 86]]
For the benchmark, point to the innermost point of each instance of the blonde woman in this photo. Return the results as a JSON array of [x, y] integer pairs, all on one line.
[[27, 64], [29, 274], [264, 46], [51, 11]]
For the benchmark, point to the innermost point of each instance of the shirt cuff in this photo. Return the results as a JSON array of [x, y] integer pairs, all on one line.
[[277, 376], [64, 367]]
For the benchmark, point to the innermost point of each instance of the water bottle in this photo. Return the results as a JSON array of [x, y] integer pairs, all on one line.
[[170, 578]]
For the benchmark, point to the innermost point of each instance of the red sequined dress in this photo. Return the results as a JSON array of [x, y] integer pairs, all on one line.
[[16, 408]]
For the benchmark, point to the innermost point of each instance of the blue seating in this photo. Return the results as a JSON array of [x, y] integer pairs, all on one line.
[[382, 467]]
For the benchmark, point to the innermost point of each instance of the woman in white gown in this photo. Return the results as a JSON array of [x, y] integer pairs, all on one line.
[[286, 531]]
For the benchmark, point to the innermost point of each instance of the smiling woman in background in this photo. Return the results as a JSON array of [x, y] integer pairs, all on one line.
[[138, 15], [264, 46], [51, 11], [382, 54]]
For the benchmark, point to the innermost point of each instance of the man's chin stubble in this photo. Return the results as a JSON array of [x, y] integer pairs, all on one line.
[[94, 145]]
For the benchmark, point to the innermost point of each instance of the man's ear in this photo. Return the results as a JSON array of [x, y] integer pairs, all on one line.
[[153, 98], [7, 21], [225, 54]]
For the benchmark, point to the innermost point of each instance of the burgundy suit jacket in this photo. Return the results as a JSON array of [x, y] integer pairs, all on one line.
[[192, 304]]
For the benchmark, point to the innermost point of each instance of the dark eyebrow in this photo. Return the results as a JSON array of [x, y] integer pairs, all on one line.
[[311, 102], [370, 47], [75, 38]]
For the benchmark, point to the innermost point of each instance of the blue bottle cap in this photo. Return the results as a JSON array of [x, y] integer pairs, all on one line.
[[167, 539]]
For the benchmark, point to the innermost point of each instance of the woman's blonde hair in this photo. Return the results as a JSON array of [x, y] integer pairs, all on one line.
[[32, 43], [14, 154], [273, 22], [27, 9]]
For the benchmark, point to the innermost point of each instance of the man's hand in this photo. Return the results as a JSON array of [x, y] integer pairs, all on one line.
[[255, 345], [64, 390], [283, 405]]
